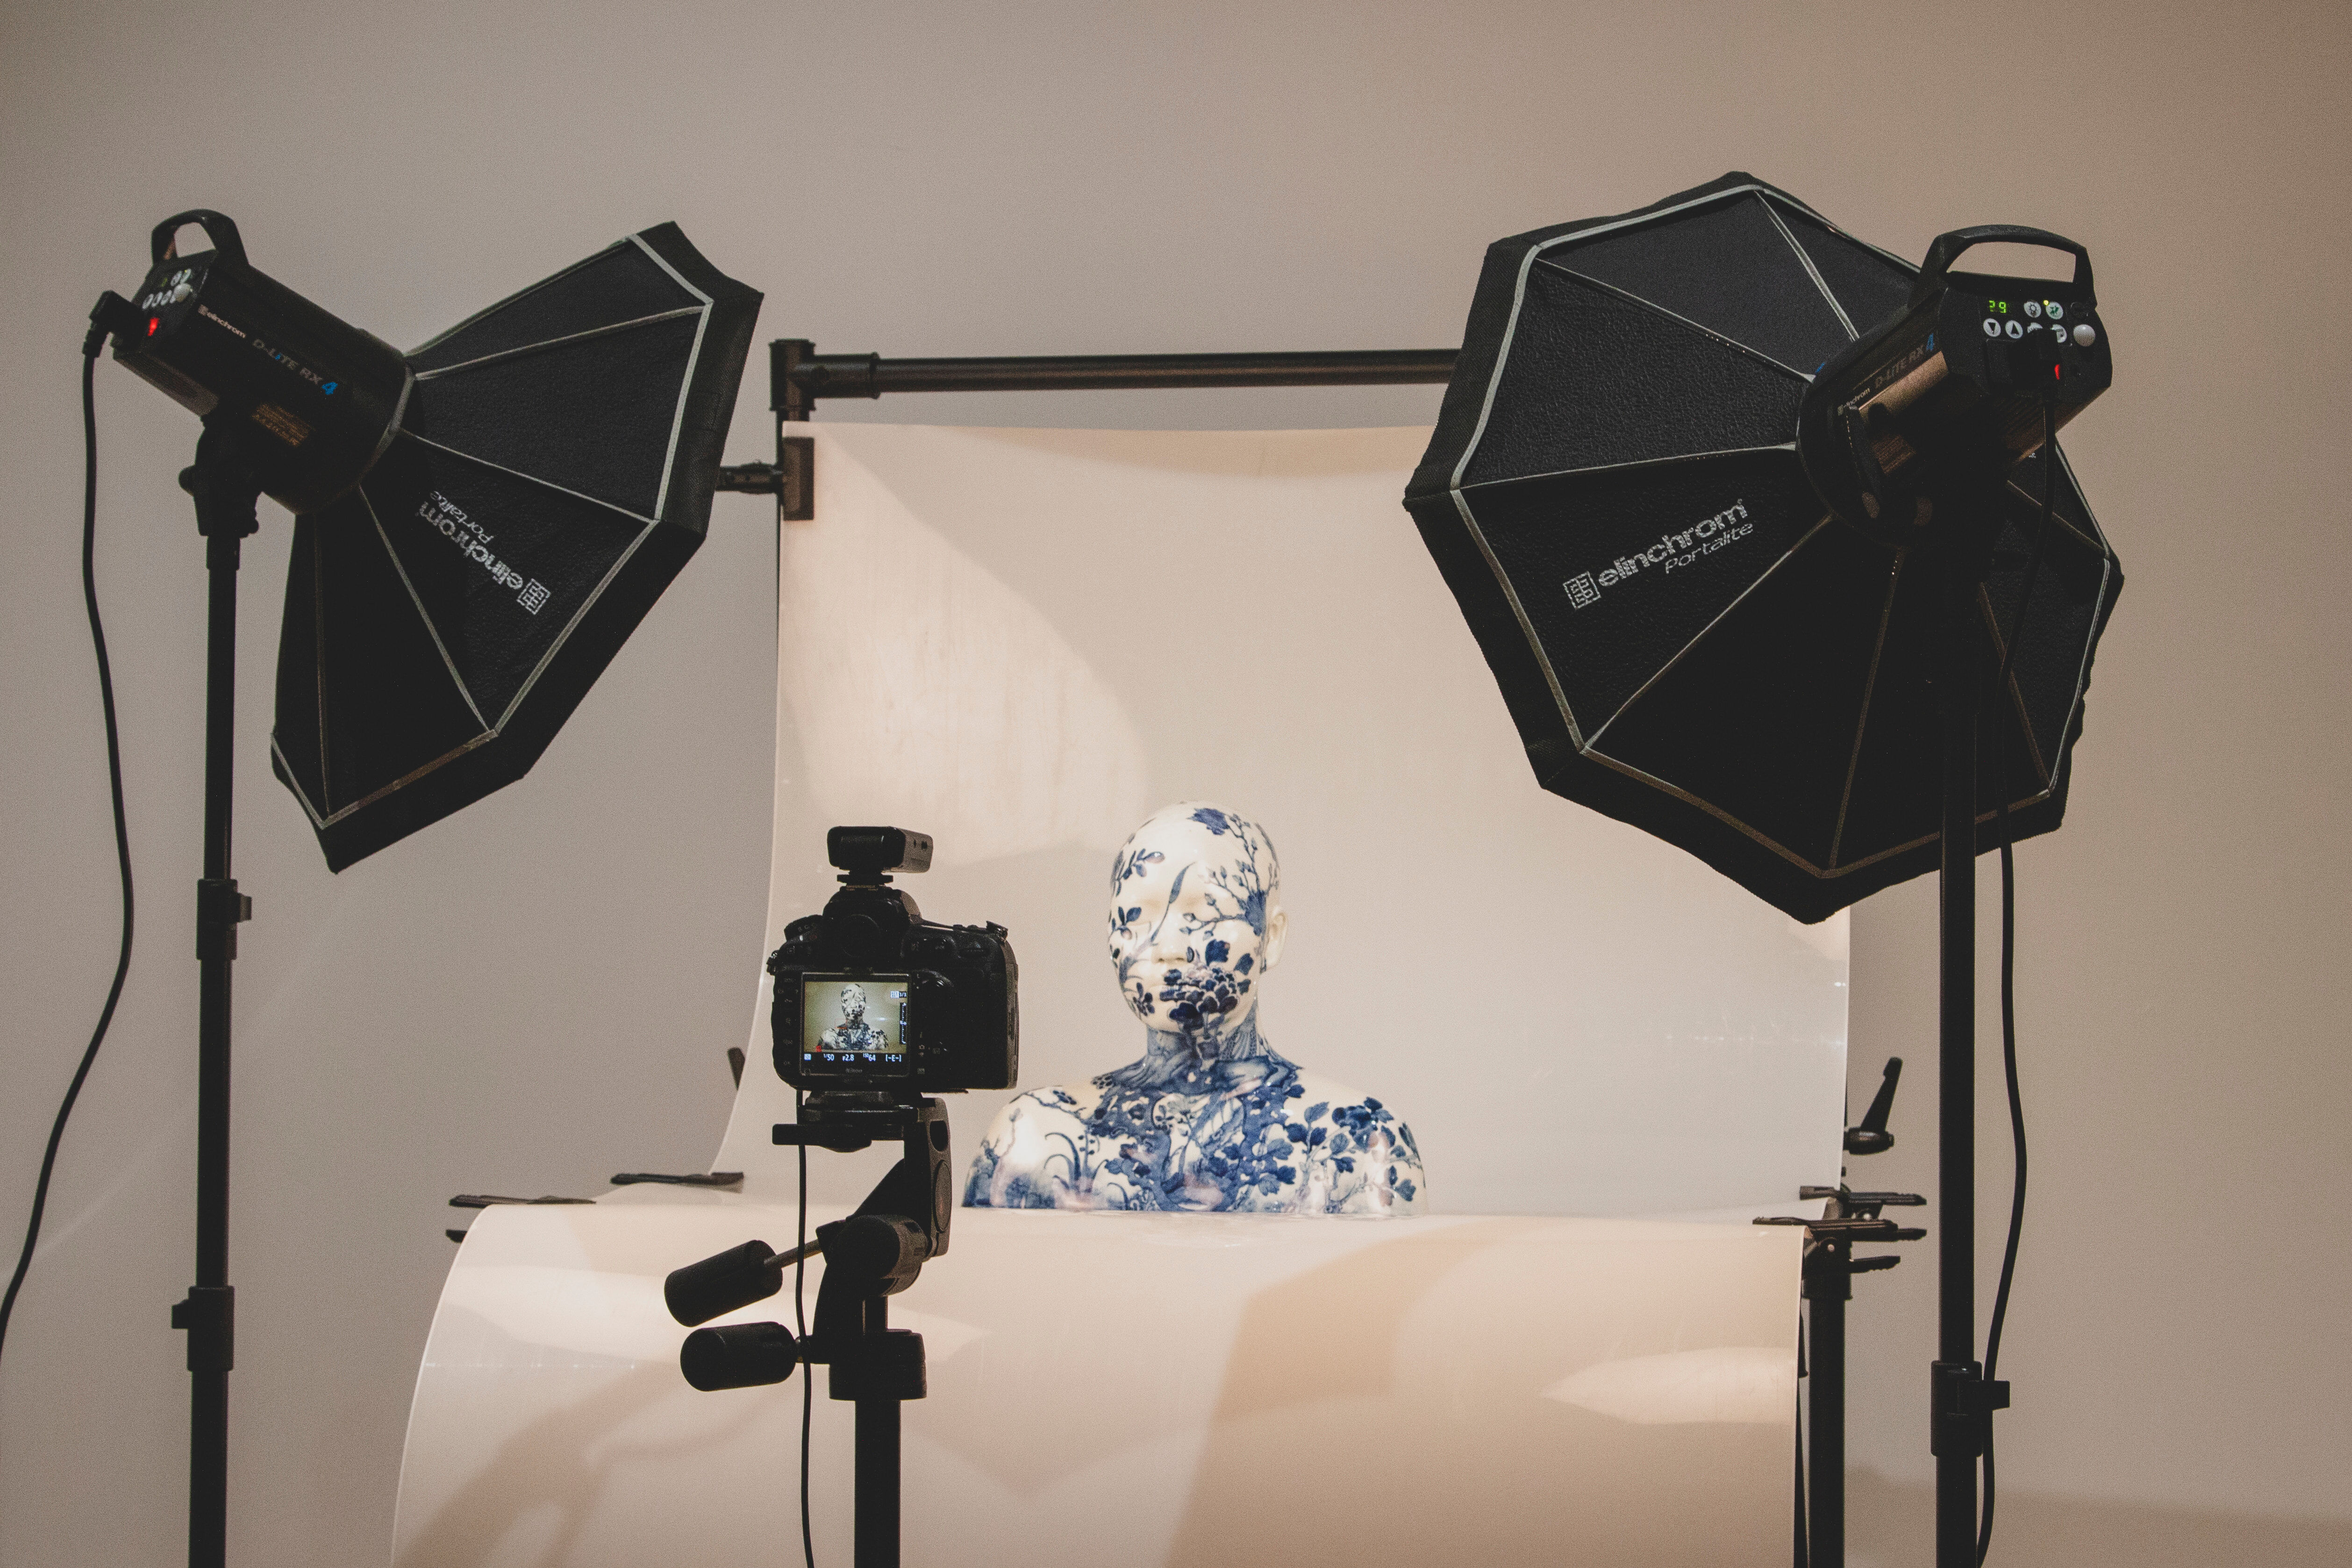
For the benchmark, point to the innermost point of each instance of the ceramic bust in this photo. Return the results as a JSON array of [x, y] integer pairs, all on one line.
[[1210, 1117]]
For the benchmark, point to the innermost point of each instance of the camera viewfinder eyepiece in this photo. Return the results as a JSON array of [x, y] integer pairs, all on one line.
[[866, 856]]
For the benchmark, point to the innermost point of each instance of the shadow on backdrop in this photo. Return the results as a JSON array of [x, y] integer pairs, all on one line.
[[1891, 1524]]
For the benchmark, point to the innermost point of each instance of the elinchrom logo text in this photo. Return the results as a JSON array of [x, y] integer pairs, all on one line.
[[1672, 551], [473, 541]]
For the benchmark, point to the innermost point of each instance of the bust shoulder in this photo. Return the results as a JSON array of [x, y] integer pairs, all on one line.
[[1033, 1155], [1359, 1155], [1273, 1138]]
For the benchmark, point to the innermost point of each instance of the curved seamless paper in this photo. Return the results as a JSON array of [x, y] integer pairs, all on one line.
[[1177, 1389]]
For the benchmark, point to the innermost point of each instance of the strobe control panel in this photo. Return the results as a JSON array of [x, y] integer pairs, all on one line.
[[1951, 392], [2034, 341]]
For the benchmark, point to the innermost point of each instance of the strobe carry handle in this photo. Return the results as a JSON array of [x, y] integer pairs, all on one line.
[[220, 230], [1947, 249]]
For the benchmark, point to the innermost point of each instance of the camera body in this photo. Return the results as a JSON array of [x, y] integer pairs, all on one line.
[[871, 996]]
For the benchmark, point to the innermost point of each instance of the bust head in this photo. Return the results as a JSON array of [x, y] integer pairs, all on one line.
[[853, 1003], [1196, 921]]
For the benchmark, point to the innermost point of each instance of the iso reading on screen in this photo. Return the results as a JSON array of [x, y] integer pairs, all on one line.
[[850, 1018]]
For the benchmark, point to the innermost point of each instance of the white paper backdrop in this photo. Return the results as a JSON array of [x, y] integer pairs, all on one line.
[[1022, 641], [1132, 1389]]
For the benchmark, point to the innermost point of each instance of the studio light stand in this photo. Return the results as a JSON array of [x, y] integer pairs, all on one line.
[[1962, 1401], [1958, 503], [226, 495], [877, 1252], [329, 421], [1774, 653]]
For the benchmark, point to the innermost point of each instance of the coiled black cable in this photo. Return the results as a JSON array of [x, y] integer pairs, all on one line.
[[90, 347]]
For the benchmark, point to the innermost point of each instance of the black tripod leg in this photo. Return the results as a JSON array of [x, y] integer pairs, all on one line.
[[876, 1482]]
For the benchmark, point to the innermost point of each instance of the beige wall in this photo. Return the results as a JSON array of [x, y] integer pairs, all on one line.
[[537, 993]]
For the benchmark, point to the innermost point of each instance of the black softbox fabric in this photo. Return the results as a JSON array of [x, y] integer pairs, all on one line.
[[1685, 639], [551, 472]]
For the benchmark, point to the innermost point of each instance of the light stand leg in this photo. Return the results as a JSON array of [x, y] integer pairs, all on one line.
[[1827, 1287], [1954, 1381], [224, 515]]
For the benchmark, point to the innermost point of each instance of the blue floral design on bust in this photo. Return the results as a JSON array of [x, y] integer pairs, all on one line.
[[1234, 1135], [1210, 1117]]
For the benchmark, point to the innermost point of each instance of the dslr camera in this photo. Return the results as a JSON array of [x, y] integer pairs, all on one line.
[[870, 996]]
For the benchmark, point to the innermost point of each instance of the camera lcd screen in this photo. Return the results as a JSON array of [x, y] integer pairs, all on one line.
[[852, 1025]]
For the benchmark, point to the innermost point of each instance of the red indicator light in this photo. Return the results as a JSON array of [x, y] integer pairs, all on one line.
[[2056, 374], [153, 323]]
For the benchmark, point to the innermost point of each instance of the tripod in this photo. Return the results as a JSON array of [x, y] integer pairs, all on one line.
[[877, 1252]]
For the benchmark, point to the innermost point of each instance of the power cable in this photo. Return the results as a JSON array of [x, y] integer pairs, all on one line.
[[2008, 979], [800, 1326], [90, 346]]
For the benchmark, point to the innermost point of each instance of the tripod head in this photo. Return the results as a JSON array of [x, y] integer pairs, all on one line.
[[875, 1252]]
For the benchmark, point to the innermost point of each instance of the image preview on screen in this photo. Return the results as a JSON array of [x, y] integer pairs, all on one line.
[[850, 1018]]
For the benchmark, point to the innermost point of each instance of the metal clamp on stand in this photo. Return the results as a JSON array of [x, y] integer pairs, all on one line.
[[877, 1252], [208, 1316], [1830, 1266], [220, 910], [1962, 1402]]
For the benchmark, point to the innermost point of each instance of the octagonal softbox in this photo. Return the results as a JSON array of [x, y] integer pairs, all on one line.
[[1687, 640], [550, 472]]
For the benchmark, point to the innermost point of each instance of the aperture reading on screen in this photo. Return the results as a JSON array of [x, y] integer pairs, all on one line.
[[853, 1024]]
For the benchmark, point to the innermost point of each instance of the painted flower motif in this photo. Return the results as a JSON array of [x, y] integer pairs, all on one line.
[[1254, 910], [1215, 821], [1226, 1135]]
